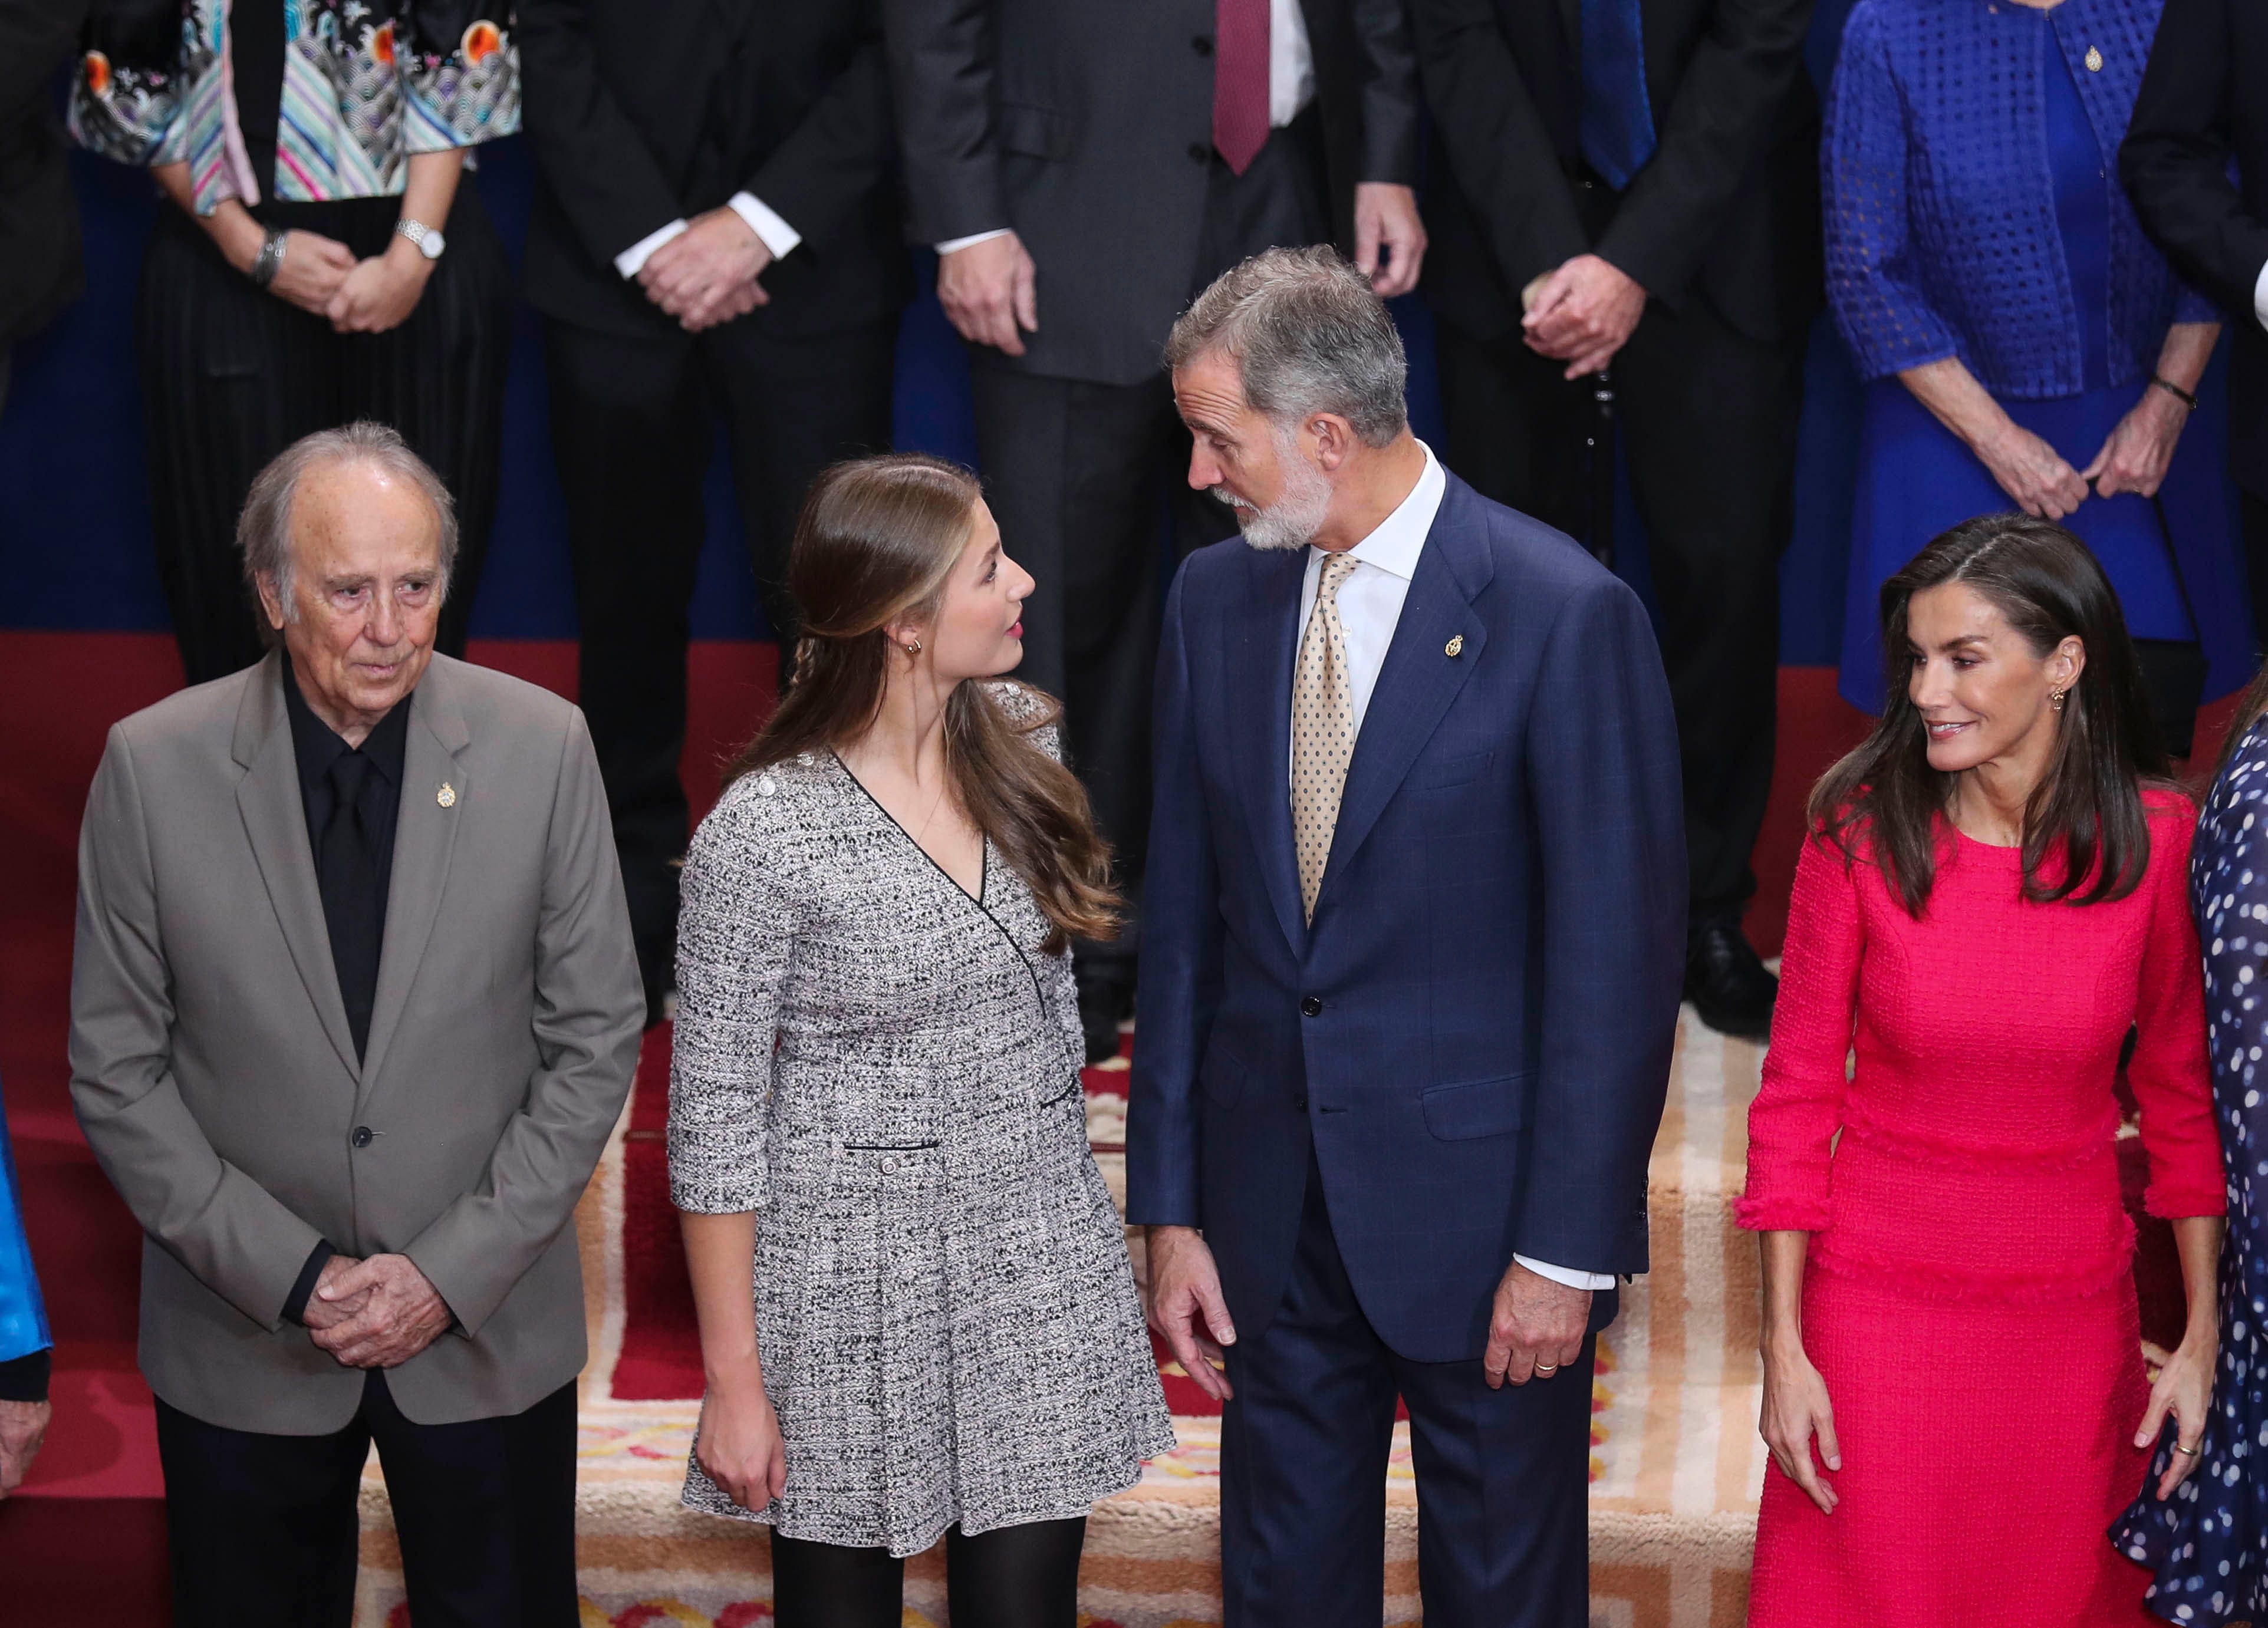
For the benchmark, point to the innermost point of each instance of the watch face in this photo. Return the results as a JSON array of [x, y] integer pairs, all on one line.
[[432, 244]]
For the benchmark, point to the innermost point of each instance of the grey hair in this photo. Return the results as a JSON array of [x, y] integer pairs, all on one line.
[[263, 530], [1308, 336]]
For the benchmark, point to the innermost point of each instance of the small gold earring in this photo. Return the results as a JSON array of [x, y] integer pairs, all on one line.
[[913, 649], [2055, 699]]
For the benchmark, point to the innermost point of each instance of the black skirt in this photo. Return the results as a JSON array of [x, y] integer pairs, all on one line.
[[230, 376]]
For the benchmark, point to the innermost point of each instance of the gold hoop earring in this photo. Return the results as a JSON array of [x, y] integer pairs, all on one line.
[[913, 649], [2055, 698]]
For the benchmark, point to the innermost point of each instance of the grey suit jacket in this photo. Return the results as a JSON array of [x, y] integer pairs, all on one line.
[[216, 1078], [1086, 125]]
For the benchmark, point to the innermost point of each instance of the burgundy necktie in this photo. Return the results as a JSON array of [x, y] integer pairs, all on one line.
[[1240, 80]]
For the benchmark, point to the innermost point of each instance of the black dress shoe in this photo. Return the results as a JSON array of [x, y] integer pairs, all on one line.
[[1103, 1002], [1726, 981]]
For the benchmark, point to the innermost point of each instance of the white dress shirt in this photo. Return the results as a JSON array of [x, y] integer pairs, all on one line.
[[1370, 609], [775, 233], [1291, 87]]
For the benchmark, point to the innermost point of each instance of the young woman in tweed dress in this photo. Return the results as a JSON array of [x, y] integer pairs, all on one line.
[[917, 1316]]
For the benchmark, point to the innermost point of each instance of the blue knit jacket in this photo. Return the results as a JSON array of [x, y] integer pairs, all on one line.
[[1941, 235], [23, 1320]]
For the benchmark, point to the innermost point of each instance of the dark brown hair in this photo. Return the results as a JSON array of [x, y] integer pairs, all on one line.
[[876, 541], [2248, 708], [2087, 814]]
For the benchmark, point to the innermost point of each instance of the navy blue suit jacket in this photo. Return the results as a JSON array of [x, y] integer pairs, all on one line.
[[1475, 1034]]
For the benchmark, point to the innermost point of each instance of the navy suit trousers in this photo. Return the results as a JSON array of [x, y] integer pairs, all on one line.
[[1503, 1489]]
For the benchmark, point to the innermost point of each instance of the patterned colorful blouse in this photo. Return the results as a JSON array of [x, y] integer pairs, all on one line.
[[365, 85]]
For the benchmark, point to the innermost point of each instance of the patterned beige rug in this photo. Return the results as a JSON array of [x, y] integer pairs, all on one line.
[[1676, 1467]]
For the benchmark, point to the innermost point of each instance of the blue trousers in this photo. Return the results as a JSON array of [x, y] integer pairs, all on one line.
[[1503, 1476]]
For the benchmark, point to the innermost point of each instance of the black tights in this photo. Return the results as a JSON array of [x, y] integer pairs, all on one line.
[[1012, 1577]]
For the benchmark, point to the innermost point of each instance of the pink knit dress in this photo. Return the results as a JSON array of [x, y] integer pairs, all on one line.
[[1968, 1296]]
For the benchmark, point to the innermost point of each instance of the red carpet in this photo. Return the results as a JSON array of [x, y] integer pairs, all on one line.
[[85, 1533]]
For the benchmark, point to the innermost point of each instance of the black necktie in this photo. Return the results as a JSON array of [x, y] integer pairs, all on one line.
[[347, 873]]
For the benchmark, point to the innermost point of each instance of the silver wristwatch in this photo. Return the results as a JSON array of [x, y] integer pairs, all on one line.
[[428, 238]]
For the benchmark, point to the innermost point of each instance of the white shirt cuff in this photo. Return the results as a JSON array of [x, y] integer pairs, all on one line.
[[778, 236], [952, 245], [632, 260], [1573, 1279], [2260, 296]]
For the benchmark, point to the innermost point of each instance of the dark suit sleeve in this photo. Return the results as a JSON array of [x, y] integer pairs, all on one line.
[[940, 70], [605, 179], [1716, 126], [35, 36], [1181, 974], [831, 163], [1611, 847], [589, 1011], [2175, 160], [1389, 92], [232, 1234], [25, 1379], [1494, 140]]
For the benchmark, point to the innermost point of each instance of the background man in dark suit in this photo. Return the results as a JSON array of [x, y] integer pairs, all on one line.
[[1632, 184], [40, 270], [1412, 984], [1083, 170], [2203, 102], [717, 228]]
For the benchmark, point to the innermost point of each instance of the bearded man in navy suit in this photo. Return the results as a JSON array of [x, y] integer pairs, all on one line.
[[1414, 940]]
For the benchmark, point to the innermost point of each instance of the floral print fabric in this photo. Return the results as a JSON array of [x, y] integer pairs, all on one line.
[[365, 87]]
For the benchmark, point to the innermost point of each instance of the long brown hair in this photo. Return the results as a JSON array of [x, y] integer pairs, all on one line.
[[2086, 813], [2248, 708], [876, 541]]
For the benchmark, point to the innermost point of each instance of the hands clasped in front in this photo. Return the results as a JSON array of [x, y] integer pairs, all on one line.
[[707, 274], [1582, 313], [377, 1312], [2133, 459], [322, 278]]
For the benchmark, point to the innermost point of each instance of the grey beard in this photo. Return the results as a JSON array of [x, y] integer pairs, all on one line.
[[1293, 521]]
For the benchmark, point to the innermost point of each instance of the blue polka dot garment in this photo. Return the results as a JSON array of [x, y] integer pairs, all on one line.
[[2206, 1543]]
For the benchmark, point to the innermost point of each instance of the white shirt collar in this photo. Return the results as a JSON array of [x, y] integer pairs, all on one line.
[[1394, 545]]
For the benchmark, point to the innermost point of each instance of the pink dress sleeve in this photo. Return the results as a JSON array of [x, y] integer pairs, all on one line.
[[1798, 1107], [2170, 1076]]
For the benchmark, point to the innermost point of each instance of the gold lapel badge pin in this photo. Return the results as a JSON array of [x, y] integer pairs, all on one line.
[[446, 796], [1454, 648]]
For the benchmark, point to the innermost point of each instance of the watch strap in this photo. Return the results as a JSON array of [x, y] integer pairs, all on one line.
[[270, 260], [417, 231]]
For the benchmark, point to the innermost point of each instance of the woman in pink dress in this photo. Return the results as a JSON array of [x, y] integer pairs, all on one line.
[[1994, 897]]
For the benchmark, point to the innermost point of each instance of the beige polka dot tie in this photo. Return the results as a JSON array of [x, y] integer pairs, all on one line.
[[1322, 730]]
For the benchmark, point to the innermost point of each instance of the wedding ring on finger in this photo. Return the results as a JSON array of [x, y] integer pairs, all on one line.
[[2185, 1452], [1547, 1367]]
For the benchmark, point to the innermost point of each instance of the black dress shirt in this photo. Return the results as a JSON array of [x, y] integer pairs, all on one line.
[[354, 902]]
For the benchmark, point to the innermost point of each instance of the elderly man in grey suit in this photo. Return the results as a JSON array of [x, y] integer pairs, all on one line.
[[353, 1011]]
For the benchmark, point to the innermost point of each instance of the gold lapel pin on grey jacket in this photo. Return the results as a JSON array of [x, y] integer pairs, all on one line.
[[1454, 648], [446, 796]]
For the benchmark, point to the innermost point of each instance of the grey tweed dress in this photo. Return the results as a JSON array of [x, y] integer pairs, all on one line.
[[886, 1071]]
